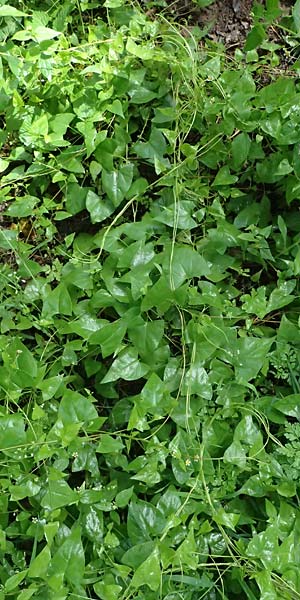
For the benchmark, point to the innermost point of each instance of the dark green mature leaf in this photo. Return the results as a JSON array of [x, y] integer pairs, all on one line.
[[240, 149], [153, 150], [250, 354], [59, 494], [12, 431], [69, 559], [148, 573], [75, 408], [116, 184], [144, 521], [126, 366], [185, 263], [57, 301], [224, 177], [109, 337], [149, 374], [97, 207]]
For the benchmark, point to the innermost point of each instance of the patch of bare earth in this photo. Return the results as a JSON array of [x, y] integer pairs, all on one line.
[[229, 21]]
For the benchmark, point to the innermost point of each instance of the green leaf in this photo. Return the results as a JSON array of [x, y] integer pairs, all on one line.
[[69, 559], [11, 11], [224, 177], [236, 455], [240, 149], [109, 445], [289, 405], [255, 37], [137, 554], [75, 408], [148, 573], [57, 301], [264, 546], [140, 51], [107, 591], [3, 164], [123, 497], [144, 521], [196, 381], [25, 490], [186, 553], [266, 586], [13, 581], [225, 518], [250, 354], [281, 296], [58, 494], [287, 489], [50, 386], [296, 15], [126, 366], [109, 337], [24, 362], [22, 207], [116, 108], [154, 149], [75, 198], [12, 431], [117, 183], [42, 34], [185, 263], [97, 207], [39, 566]]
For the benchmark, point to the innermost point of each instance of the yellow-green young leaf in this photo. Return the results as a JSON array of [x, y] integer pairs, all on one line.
[[116, 108], [107, 591], [41, 33], [39, 566], [13, 581], [140, 51], [3, 164], [148, 573], [11, 11], [266, 585], [221, 517], [28, 593]]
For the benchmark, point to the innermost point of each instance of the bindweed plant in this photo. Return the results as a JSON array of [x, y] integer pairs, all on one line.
[[149, 317]]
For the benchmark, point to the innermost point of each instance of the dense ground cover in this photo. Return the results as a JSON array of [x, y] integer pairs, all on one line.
[[150, 261]]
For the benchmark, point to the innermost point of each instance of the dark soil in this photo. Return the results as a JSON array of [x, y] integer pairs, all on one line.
[[226, 21], [229, 21]]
